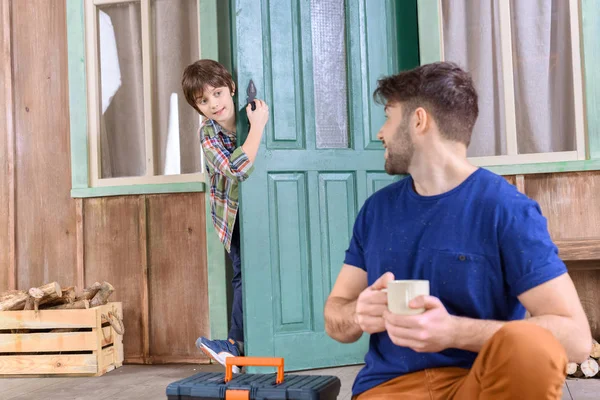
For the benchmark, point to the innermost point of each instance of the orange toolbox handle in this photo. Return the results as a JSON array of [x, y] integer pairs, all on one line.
[[254, 362]]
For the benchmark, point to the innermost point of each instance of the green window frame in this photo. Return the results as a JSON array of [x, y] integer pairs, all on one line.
[[430, 49], [78, 104], [209, 34]]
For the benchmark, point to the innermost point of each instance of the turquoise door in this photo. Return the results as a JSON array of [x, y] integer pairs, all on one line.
[[316, 64]]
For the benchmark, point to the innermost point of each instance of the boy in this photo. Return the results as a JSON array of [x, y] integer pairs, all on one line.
[[209, 89]]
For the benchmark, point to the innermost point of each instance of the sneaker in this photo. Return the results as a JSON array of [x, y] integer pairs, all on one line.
[[219, 350]]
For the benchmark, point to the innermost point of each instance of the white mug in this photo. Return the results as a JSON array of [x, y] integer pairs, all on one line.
[[400, 293]]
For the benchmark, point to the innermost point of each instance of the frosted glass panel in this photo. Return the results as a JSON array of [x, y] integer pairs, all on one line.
[[329, 69]]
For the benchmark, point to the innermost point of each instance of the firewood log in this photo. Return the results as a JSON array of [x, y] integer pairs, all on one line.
[[10, 293], [28, 303], [79, 304], [17, 300], [89, 292], [595, 349], [68, 296], [589, 368], [102, 296], [572, 368]]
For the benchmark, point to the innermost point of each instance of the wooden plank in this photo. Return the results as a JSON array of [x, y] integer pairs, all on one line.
[[7, 179], [48, 364], [565, 200], [577, 62], [143, 223], [512, 179], [112, 253], [47, 319], [108, 336], [45, 215], [147, 69], [118, 339], [590, 27], [152, 180], [40, 342], [189, 187], [80, 241], [587, 284], [583, 265], [176, 257], [506, 56], [579, 249], [108, 361], [197, 359], [520, 183]]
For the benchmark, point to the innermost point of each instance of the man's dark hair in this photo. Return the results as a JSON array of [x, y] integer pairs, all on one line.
[[443, 89], [200, 74]]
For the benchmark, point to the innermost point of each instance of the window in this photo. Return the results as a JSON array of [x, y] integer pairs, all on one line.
[[140, 128], [526, 62]]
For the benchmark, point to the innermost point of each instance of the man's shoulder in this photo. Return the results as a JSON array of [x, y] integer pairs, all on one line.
[[497, 192], [393, 190]]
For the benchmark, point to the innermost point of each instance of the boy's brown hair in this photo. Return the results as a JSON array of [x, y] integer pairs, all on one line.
[[204, 73], [443, 89]]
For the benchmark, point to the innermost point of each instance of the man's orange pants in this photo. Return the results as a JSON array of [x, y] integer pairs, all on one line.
[[521, 361]]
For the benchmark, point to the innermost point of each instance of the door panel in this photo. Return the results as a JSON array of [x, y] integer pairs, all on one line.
[[316, 64]]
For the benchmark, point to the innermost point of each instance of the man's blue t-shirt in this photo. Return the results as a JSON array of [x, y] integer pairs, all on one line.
[[480, 245]]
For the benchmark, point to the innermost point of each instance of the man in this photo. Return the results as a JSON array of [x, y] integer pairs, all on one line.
[[484, 247]]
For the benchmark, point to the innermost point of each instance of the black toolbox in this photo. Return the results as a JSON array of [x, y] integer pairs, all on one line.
[[217, 386]]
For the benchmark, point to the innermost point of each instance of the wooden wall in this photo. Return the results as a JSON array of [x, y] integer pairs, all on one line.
[[151, 248], [571, 203]]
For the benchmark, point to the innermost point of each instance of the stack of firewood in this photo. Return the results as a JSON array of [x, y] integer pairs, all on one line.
[[52, 297], [589, 368]]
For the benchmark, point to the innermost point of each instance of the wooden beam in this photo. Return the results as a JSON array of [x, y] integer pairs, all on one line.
[[80, 239], [47, 342], [10, 135], [579, 250], [506, 53], [143, 223], [520, 183], [147, 68], [167, 360], [578, 99]]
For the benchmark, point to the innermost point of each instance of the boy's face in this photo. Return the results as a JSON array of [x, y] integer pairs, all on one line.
[[216, 104]]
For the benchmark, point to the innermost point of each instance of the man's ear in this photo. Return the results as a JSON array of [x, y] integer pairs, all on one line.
[[422, 120]]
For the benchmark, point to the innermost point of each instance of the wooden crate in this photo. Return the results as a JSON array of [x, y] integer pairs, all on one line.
[[87, 344]]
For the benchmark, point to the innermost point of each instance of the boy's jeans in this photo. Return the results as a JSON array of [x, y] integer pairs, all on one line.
[[236, 331]]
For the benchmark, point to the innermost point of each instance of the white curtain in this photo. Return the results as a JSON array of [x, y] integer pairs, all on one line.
[[542, 71], [174, 27]]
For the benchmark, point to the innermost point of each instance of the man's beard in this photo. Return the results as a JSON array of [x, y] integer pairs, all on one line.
[[400, 152]]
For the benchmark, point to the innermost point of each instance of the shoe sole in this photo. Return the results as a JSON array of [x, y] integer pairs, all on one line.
[[218, 358]]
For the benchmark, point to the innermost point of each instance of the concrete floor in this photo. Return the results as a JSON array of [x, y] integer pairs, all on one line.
[[148, 382]]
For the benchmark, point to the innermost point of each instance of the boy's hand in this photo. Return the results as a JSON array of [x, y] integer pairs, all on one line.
[[259, 117], [372, 304]]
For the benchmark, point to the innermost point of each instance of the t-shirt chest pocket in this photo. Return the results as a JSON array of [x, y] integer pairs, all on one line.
[[459, 280]]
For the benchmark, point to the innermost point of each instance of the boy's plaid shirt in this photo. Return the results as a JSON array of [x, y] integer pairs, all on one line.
[[226, 166]]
